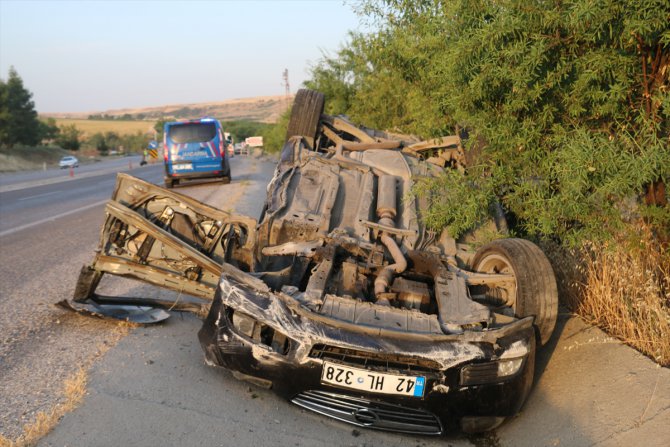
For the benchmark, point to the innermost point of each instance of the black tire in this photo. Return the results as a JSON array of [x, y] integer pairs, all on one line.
[[305, 116], [169, 183], [225, 180], [536, 292]]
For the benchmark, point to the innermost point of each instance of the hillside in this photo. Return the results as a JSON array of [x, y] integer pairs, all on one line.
[[264, 109]]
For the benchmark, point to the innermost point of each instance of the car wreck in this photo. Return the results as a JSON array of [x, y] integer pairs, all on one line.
[[339, 297]]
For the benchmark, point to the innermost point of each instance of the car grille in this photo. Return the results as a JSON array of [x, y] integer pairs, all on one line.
[[365, 413], [386, 362]]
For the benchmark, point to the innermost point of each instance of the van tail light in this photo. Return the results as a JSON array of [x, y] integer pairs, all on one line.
[[165, 152]]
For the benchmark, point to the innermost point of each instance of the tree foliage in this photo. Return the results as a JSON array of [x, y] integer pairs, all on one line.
[[18, 118], [69, 137], [110, 140], [566, 103], [242, 129], [48, 129], [274, 136]]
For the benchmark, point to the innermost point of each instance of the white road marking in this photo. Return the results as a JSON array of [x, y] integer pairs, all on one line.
[[39, 195], [49, 219]]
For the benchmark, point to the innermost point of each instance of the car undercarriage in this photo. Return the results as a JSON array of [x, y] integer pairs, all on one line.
[[339, 297]]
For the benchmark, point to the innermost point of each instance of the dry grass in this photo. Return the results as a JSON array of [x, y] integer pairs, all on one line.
[[90, 127], [623, 288], [74, 390]]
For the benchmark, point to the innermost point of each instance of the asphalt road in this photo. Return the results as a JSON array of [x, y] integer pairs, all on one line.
[[152, 387], [23, 179], [30, 207], [49, 228]]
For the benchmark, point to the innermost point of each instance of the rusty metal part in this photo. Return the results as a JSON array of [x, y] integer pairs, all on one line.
[[386, 211], [386, 196], [332, 136], [380, 228], [411, 294], [306, 248], [456, 311], [350, 146], [435, 143], [345, 126]]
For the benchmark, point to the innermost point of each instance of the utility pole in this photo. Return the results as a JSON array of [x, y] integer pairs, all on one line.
[[287, 86]]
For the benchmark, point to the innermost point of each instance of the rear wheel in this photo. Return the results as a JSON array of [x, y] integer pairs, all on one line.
[[226, 173], [169, 183], [535, 292], [305, 116]]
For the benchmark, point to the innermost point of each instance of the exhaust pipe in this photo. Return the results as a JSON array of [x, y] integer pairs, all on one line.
[[386, 212]]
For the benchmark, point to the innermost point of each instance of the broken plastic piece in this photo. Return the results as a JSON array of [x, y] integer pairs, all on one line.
[[134, 314]]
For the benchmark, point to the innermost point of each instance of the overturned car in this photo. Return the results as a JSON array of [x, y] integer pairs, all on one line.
[[339, 297]]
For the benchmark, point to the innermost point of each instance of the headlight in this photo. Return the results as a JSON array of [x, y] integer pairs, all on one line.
[[509, 367], [259, 332], [509, 363]]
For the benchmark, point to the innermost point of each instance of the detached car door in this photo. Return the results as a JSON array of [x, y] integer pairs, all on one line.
[[166, 239]]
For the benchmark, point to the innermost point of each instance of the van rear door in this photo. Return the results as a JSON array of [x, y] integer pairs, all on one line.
[[194, 147]]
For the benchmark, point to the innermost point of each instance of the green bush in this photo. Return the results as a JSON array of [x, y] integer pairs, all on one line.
[[567, 105], [274, 136]]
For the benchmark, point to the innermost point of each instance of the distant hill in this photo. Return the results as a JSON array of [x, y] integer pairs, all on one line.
[[264, 109]]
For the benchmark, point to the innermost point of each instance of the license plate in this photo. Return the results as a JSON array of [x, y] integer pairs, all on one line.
[[372, 381], [178, 167]]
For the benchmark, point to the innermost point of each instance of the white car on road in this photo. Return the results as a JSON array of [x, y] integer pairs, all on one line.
[[68, 162]]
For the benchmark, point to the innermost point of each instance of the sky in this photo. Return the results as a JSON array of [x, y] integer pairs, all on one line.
[[87, 56]]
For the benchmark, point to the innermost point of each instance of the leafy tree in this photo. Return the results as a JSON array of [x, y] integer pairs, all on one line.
[[244, 128], [4, 113], [113, 139], [274, 136], [134, 142], [339, 77], [99, 141], [566, 103], [159, 127], [68, 137], [18, 118], [48, 129]]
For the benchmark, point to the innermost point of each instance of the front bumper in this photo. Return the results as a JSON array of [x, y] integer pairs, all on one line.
[[287, 348], [192, 174]]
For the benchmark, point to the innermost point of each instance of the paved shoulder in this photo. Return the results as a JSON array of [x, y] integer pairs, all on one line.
[[592, 390]]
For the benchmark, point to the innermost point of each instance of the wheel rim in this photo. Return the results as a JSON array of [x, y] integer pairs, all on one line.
[[495, 263]]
